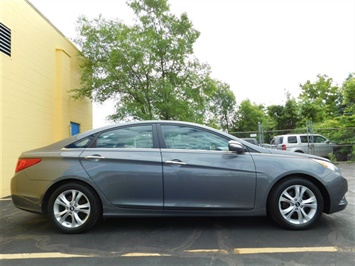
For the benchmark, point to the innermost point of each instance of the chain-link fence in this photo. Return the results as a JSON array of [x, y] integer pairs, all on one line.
[[342, 138]]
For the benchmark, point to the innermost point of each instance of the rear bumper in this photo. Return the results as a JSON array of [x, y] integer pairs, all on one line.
[[27, 204], [26, 194]]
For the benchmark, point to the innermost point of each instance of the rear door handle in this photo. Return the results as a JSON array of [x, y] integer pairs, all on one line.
[[94, 157], [175, 162]]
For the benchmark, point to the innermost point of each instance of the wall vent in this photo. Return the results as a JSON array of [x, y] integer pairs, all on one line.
[[5, 39]]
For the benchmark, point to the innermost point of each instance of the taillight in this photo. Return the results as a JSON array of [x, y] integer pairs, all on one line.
[[25, 163], [283, 146]]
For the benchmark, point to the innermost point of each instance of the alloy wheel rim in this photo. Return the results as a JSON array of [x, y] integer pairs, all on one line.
[[298, 204], [71, 208]]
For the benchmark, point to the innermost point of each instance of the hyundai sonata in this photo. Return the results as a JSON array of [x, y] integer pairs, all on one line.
[[169, 168]]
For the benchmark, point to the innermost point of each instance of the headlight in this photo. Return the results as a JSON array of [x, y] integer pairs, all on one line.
[[328, 165]]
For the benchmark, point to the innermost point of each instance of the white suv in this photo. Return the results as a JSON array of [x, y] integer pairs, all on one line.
[[304, 143]]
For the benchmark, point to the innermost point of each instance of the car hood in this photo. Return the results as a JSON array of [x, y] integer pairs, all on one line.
[[291, 153], [252, 147]]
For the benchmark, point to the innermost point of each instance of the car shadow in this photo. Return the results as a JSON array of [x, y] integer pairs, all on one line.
[[168, 235]]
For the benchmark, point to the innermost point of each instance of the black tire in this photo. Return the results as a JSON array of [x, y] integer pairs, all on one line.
[[295, 203], [74, 208], [339, 155]]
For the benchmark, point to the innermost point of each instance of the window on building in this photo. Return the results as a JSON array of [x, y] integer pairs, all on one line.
[[5, 39], [74, 128]]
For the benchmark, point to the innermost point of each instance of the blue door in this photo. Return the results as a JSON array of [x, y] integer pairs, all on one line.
[[74, 128]]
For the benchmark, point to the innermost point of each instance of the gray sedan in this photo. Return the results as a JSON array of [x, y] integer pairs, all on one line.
[[169, 168]]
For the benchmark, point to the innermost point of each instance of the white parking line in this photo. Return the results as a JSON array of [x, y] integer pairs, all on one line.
[[235, 251], [283, 250], [222, 251], [52, 255], [138, 254]]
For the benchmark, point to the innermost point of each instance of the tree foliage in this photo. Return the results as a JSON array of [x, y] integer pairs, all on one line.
[[148, 68], [247, 116], [319, 100], [283, 117], [348, 92], [222, 105]]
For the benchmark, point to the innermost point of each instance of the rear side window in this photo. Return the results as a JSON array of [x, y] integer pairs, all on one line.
[[292, 139], [127, 137]]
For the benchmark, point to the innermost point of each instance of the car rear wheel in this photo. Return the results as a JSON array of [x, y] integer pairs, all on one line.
[[74, 208], [295, 203]]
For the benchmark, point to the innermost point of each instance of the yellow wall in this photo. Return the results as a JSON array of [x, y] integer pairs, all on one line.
[[36, 108]]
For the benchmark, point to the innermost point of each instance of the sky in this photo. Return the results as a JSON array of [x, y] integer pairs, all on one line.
[[261, 48]]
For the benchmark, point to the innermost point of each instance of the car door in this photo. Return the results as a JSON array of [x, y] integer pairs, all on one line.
[[125, 164], [201, 173], [322, 146]]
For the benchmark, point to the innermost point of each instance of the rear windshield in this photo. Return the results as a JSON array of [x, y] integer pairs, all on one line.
[[276, 140]]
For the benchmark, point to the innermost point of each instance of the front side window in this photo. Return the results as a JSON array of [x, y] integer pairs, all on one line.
[[126, 137], [304, 139], [313, 139], [184, 137], [319, 139]]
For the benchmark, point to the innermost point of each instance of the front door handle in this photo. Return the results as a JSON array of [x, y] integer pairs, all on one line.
[[175, 162]]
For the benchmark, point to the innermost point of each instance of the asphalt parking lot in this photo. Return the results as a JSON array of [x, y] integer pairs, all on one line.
[[29, 239]]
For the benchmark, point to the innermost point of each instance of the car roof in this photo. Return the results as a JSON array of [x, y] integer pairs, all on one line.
[[62, 143], [302, 134], [93, 131]]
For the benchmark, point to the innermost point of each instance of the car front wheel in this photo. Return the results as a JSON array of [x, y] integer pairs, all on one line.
[[295, 203], [74, 208]]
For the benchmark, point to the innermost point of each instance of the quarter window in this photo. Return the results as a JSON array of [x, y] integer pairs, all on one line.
[[83, 143], [127, 137], [183, 137]]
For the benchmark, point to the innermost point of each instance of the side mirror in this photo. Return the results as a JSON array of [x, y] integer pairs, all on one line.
[[236, 146]]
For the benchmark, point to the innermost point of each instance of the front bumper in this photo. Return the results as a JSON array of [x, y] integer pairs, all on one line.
[[337, 192]]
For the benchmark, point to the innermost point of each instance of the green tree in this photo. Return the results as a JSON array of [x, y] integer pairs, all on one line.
[[148, 68], [319, 100], [283, 117], [274, 115], [222, 105], [348, 92], [247, 116], [340, 130]]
